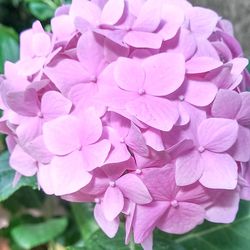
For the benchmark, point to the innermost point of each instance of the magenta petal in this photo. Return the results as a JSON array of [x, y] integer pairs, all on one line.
[[164, 73], [133, 188], [146, 218], [202, 21], [202, 65], [67, 73], [125, 69], [233, 101], [188, 168], [189, 214], [67, 168], [223, 167], [113, 203], [90, 52], [58, 134], [225, 207], [54, 104], [22, 162], [218, 134], [139, 39], [109, 227], [157, 112], [200, 93], [112, 11]]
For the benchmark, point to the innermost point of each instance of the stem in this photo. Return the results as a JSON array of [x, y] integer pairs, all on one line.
[[131, 245]]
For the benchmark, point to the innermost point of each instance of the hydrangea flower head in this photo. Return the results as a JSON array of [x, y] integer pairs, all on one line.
[[137, 106]]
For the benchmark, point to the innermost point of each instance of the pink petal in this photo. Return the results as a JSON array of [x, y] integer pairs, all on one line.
[[140, 39], [243, 115], [86, 10], [147, 244], [90, 52], [129, 74], [95, 154], [113, 203], [189, 214], [109, 227], [145, 20], [202, 65], [241, 149], [220, 171], [22, 162], [153, 139], [133, 188], [202, 21], [217, 134], [164, 73], [225, 207], [61, 135], [41, 44], [156, 112], [112, 12], [67, 168], [200, 93], [66, 73], [233, 101], [54, 104], [188, 168], [146, 218], [44, 179]]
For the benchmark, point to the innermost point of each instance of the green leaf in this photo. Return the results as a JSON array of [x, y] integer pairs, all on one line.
[[41, 10], [83, 214], [9, 50], [33, 235], [7, 175]]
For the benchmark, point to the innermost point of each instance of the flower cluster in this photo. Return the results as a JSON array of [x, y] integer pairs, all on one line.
[[137, 106]]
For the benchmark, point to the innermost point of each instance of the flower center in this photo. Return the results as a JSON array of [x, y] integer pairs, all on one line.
[[138, 171], [174, 203], [201, 149], [141, 91], [181, 98], [112, 184]]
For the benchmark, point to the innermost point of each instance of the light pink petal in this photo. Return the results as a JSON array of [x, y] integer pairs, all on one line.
[[233, 103], [54, 104], [243, 115], [95, 154], [37, 149], [200, 93], [133, 188], [147, 244], [44, 179], [30, 66], [202, 21], [206, 49], [140, 39], [145, 20], [22, 162], [225, 208], [61, 135], [146, 218], [67, 73], [86, 10], [241, 149], [180, 148], [113, 203], [190, 215], [109, 227], [41, 44], [173, 18], [188, 168], [90, 52], [136, 141], [220, 171], [112, 12], [129, 74], [25, 43], [184, 43], [202, 65], [156, 112], [217, 134], [239, 64], [153, 139], [90, 126], [67, 168], [164, 73], [62, 26]]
